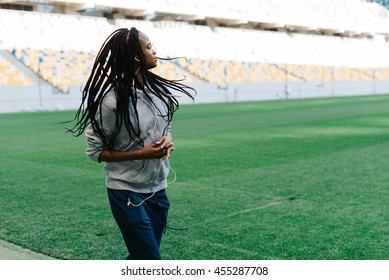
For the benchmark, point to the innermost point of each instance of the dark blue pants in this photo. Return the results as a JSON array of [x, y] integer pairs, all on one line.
[[141, 226]]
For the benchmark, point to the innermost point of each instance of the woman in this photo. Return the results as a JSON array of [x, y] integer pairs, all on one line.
[[126, 111]]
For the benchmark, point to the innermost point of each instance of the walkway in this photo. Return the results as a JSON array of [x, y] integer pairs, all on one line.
[[9, 251]]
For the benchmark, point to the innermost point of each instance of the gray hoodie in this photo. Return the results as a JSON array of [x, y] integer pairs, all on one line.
[[142, 176]]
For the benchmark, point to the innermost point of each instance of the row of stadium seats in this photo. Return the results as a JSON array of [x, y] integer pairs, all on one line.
[[224, 72], [280, 47], [61, 49], [63, 69]]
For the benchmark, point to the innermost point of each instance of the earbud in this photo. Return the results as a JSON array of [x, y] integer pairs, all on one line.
[[136, 59]]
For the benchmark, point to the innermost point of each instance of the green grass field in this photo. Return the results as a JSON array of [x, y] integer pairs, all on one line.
[[292, 179]]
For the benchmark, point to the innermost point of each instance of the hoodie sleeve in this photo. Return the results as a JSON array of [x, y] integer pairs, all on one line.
[[94, 143]]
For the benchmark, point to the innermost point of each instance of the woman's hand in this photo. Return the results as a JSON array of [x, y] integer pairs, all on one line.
[[166, 144], [154, 151], [159, 150]]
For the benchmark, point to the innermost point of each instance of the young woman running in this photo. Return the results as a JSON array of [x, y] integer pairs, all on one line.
[[126, 113]]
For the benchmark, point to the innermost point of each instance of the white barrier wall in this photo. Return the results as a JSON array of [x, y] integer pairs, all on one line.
[[42, 98]]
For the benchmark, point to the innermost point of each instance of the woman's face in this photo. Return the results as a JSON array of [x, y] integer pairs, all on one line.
[[148, 51]]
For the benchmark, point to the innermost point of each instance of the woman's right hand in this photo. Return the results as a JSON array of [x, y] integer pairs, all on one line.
[[154, 151]]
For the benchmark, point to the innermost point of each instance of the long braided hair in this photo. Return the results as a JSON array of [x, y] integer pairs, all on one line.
[[116, 67]]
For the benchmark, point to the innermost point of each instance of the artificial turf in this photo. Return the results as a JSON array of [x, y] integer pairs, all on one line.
[[288, 179]]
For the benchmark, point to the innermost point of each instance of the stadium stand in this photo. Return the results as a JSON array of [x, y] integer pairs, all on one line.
[[59, 68], [255, 41], [10, 75]]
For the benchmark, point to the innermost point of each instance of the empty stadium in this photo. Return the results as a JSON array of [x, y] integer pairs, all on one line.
[[281, 156], [261, 50]]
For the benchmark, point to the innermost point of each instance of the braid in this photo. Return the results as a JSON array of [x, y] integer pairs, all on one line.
[[115, 67]]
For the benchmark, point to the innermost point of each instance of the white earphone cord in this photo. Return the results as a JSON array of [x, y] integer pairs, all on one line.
[[129, 203]]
